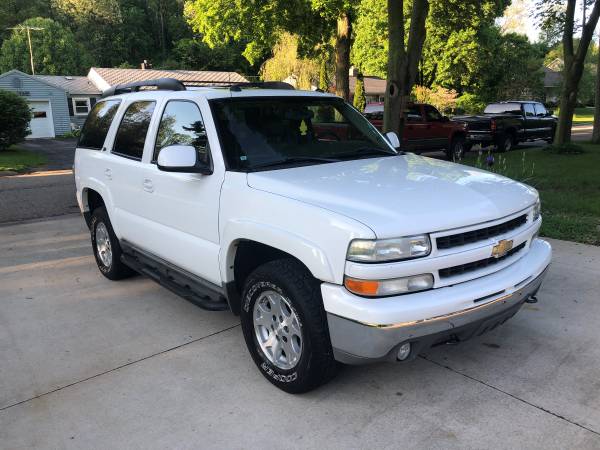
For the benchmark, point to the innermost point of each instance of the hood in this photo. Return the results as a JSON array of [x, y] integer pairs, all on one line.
[[482, 117], [401, 195]]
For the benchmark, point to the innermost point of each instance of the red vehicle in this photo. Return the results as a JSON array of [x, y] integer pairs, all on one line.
[[426, 130]]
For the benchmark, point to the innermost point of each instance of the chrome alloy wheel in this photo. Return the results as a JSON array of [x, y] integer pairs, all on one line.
[[277, 330], [103, 245]]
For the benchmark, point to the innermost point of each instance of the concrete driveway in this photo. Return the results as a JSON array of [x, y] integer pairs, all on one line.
[[89, 363]]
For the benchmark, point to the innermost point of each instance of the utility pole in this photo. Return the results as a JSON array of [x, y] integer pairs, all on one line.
[[28, 29]]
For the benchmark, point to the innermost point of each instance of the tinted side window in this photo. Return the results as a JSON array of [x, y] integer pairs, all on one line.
[[432, 114], [413, 114], [182, 124], [528, 108], [132, 131], [540, 110], [97, 124]]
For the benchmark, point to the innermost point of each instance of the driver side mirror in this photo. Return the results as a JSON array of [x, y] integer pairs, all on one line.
[[182, 159], [392, 138], [550, 112]]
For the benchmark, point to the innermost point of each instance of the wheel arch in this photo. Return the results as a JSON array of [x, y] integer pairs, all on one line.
[[90, 200], [240, 256]]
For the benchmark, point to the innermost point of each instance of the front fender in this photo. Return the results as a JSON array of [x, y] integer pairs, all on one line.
[[308, 252]]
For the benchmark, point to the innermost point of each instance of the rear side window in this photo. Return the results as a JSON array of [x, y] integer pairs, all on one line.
[[97, 124], [182, 124], [133, 128]]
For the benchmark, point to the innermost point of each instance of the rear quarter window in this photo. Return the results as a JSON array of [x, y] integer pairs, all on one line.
[[98, 122]]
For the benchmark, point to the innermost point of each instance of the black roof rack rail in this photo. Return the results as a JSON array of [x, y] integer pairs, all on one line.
[[171, 84], [262, 85], [162, 84]]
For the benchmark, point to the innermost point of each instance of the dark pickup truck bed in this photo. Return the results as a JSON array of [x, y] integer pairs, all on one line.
[[505, 124]]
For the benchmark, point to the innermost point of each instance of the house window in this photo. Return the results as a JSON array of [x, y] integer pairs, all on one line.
[[81, 106]]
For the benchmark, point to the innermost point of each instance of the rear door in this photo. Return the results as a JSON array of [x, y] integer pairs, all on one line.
[[182, 209], [123, 170]]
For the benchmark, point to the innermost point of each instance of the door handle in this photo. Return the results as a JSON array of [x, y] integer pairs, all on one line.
[[148, 185], [108, 173]]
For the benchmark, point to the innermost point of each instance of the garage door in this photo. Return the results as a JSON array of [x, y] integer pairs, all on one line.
[[41, 124]]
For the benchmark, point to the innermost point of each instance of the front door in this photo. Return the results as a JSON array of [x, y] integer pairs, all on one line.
[[182, 208], [545, 121], [415, 136], [532, 126]]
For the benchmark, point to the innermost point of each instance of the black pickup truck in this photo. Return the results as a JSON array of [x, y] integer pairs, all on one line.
[[505, 124]]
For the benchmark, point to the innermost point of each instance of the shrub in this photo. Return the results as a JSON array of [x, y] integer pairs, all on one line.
[[469, 104], [14, 117], [568, 148], [442, 98]]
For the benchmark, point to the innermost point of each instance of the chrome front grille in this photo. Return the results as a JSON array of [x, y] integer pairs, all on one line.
[[476, 265], [469, 237]]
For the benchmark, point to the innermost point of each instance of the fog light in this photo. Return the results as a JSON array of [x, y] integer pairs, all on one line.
[[403, 351]]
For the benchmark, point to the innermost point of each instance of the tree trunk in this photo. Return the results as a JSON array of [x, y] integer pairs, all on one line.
[[573, 68], [596, 132], [392, 111], [403, 64], [342, 56]]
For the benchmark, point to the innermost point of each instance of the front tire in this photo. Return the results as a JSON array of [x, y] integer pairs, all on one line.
[[285, 326], [456, 150], [105, 244]]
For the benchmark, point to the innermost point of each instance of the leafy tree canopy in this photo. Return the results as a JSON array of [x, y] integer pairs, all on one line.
[[55, 50]]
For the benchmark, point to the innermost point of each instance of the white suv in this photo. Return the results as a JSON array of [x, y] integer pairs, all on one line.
[[291, 210]]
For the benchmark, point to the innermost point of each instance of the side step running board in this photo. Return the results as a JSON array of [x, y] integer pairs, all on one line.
[[192, 288]]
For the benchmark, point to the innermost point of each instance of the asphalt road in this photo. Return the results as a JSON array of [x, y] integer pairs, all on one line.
[[46, 193], [89, 363]]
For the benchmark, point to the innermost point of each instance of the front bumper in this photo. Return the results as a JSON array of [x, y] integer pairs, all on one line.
[[424, 319]]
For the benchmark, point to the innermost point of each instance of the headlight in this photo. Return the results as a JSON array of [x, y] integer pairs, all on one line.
[[537, 210], [369, 251], [393, 286]]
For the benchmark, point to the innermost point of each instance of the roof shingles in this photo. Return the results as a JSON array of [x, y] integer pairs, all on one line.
[[120, 76]]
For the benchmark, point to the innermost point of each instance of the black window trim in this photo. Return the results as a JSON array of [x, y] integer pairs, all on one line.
[[122, 155], [154, 161], [118, 101]]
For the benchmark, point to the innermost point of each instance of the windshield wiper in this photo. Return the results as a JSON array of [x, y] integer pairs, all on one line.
[[367, 151], [292, 160]]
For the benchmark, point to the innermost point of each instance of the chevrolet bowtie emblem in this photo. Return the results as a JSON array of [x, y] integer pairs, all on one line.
[[502, 248]]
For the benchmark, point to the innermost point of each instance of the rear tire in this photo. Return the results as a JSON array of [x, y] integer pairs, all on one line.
[[506, 143], [107, 250], [285, 326], [456, 149]]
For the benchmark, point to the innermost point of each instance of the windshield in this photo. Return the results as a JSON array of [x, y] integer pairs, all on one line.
[[503, 108], [273, 132]]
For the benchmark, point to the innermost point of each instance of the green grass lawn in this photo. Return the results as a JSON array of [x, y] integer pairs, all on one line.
[[569, 187], [17, 159], [583, 116]]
